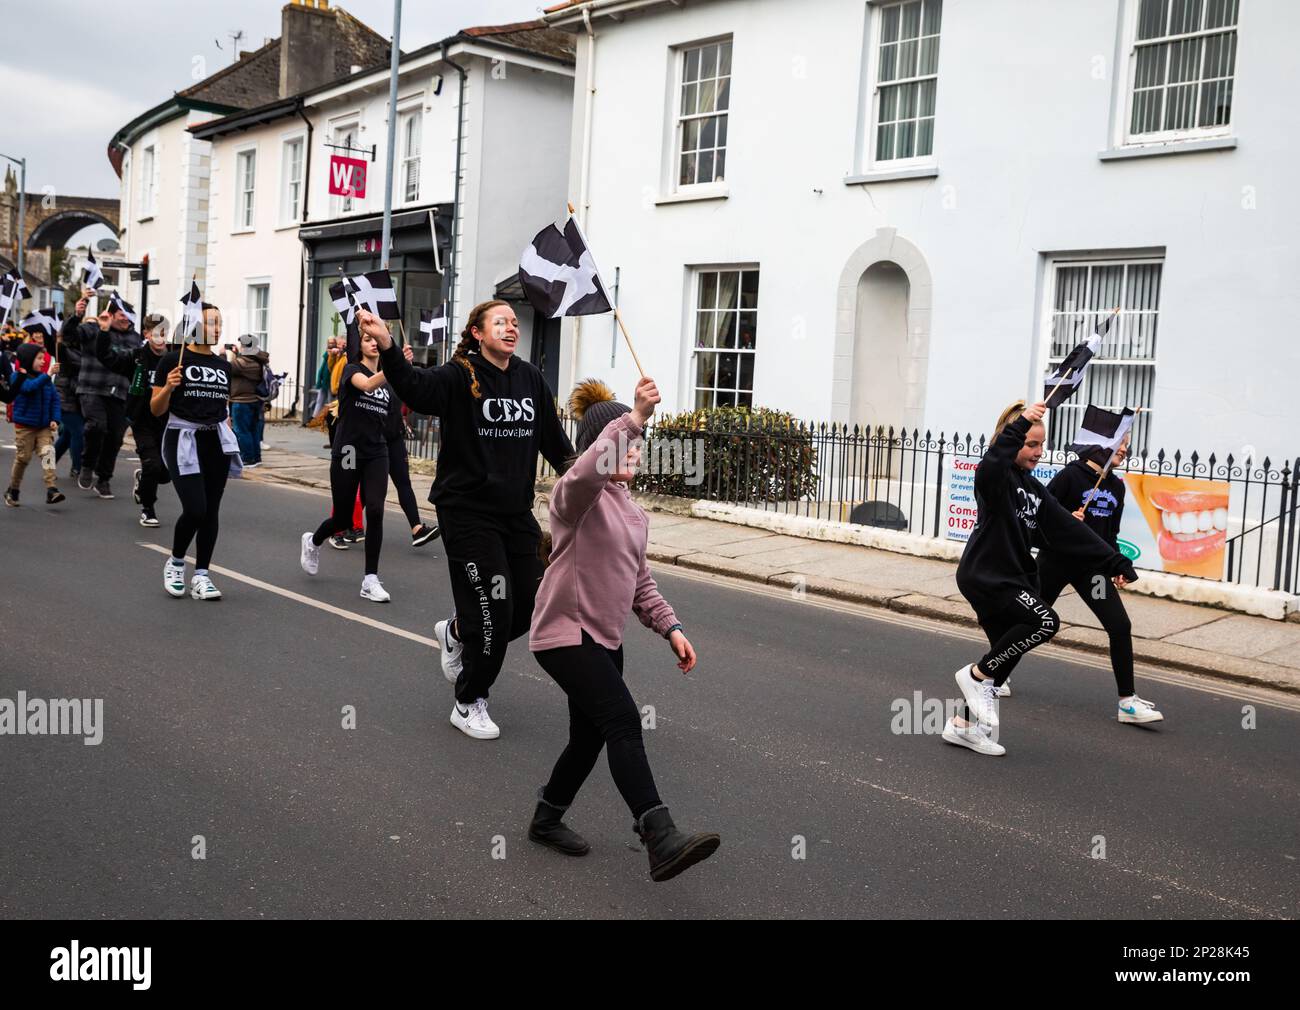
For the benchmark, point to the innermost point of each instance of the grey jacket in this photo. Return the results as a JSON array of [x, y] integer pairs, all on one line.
[[94, 377]]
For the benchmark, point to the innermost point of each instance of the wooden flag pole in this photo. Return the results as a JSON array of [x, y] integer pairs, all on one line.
[[617, 315], [1065, 378]]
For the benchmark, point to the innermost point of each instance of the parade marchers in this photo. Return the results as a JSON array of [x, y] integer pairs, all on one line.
[[497, 417]]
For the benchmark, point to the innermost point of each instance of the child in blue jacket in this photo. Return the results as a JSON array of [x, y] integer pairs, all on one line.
[[36, 423]]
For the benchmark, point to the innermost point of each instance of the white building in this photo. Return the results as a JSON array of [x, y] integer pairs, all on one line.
[[493, 102], [891, 213]]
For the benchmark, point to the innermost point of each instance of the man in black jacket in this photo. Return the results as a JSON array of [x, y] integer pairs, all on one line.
[[101, 391]]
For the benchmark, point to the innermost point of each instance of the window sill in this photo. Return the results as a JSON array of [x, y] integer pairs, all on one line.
[[287, 227], [892, 175], [1169, 147], [711, 192], [242, 231]]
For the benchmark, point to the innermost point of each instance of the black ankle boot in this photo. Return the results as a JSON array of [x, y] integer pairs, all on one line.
[[670, 850], [547, 829]]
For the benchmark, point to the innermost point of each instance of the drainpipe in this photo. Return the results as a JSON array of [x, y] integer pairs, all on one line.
[[305, 371], [453, 261], [584, 188]]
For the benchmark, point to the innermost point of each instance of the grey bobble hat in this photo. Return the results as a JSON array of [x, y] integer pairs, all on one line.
[[593, 404]]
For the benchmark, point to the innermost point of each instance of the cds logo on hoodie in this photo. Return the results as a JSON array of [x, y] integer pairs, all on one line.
[[505, 410], [1027, 508]]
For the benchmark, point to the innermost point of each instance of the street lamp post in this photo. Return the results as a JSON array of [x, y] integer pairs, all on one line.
[[394, 57], [22, 205]]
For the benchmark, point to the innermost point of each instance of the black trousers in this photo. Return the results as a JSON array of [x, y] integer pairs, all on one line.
[[399, 471], [495, 572], [105, 428], [371, 476], [147, 432], [1015, 623], [1105, 601], [601, 714], [200, 494]]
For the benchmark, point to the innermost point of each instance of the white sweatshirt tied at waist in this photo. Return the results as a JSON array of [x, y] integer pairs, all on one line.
[[187, 455]]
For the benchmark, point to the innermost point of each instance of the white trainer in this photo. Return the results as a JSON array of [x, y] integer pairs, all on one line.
[[174, 578], [310, 557], [474, 721], [1138, 710], [201, 588], [1005, 690], [980, 695], [373, 589], [451, 650], [972, 736]]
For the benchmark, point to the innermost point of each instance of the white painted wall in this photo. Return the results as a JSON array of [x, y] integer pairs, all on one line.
[[1021, 119]]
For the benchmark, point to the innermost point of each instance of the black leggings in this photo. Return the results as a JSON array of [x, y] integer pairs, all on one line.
[[601, 714], [371, 476], [105, 426], [147, 432], [399, 471], [200, 494], [1014, 624], [1103, 599], [495, 572]]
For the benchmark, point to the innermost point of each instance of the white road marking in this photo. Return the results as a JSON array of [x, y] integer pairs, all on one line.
[[289, 594]]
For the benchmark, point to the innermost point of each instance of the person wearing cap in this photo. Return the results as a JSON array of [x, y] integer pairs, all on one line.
[[139, 367], [102, 392], [598, 575], [247, 364]]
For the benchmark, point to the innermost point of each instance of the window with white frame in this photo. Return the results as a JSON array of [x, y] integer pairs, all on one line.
[[1123, 372], [259, 312], [147, 162], [409, 128], [1183, 59], [291, 167], [245, 185], [702, 113], [725, 334], [906, 79]]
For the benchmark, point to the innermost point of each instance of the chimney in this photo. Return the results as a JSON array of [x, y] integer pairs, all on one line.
[[308, 44]]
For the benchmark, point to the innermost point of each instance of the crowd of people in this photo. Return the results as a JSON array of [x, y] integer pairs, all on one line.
[[196, 420]]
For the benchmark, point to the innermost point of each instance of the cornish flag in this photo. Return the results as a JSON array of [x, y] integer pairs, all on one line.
[[1102, 429], [559, 274], [1074, 365], [433, 325], [43, 320], [374, 292], [12, 292], [192, 312], [91, 275], [116, 303], [342, 303]]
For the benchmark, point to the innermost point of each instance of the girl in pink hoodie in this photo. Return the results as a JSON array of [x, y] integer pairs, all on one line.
[[597, 574]]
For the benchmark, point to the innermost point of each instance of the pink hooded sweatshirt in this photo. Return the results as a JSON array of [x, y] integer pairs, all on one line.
[[598, 571]]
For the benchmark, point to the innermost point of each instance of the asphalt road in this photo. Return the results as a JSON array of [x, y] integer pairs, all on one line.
[[225, 720]]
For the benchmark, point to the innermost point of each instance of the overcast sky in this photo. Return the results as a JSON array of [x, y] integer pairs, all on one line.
[[103, 65]]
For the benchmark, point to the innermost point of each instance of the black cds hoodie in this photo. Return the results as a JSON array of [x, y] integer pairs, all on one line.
[[1015, 512], [1072, 487], [488, 458]]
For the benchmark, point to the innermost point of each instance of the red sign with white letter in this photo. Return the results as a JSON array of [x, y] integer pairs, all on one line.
[[347, 176]]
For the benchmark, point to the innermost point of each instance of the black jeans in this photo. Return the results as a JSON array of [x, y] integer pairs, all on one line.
[[105, 428], [1103, 599], [399, 471], [147, 432], [495, 572], [1014, 624], [601, 714], [371, 476], [200, 494]]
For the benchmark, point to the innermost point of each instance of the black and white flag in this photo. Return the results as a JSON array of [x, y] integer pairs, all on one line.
[[45, 321], [91, 275], [433, 325], [116, 303], [192, 313], [1073, 366], [1102, 429], [12, 292], [375, 293], [342, 303], [559, 274]]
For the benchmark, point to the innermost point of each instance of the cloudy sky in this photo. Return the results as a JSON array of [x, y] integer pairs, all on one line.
[[126, 58]]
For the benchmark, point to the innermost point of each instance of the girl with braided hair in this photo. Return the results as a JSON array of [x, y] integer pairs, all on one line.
[[497, 415]]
